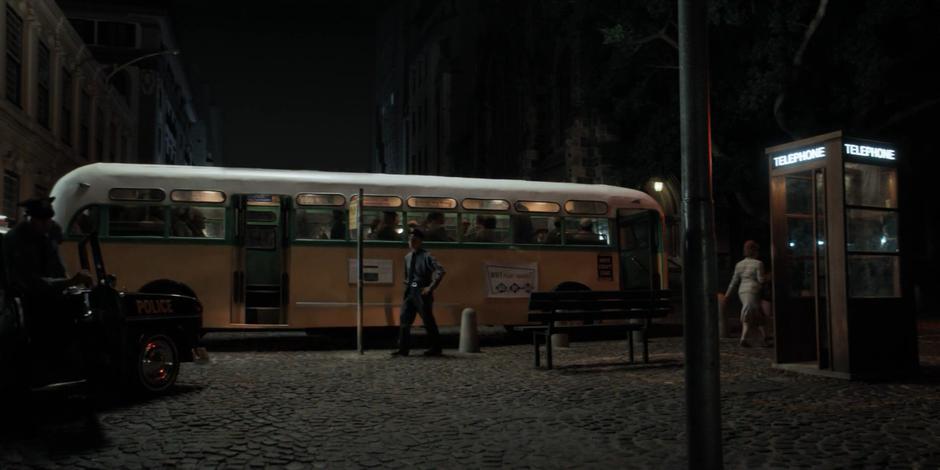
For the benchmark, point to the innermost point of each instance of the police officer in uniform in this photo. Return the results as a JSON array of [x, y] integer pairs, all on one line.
[[36, 274], [33, 266], [423, 274]]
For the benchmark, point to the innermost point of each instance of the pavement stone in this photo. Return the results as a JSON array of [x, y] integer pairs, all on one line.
[[336, 409]]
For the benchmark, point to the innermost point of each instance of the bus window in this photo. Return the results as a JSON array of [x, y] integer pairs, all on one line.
[[536, 230], [418, 202], [85, 221], [192, 195], [381, 201], [309, 199], [136, 194], [197, 222], [485, 228], [486, 204], [381, 225], [437, 226], [587, 231], [586, 207], [136, 221], [537, 206], [320, 224]]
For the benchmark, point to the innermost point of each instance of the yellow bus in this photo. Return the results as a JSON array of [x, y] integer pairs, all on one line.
[[274, 249]]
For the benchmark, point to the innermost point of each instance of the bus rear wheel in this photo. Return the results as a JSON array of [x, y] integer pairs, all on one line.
[[156, 363]]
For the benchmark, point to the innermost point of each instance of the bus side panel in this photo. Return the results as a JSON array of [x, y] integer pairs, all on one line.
[[207, 269], [322, 296]]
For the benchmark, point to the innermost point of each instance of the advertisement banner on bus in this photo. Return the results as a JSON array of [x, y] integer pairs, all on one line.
[[511, 281]]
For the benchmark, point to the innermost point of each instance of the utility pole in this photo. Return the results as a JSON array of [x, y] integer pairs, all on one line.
[[699, 273]]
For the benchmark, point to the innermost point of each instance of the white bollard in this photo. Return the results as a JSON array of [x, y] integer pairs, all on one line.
[[560, 340], [469, 338]]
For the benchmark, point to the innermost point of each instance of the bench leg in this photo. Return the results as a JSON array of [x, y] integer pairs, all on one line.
[[630, 342], [535, 342], [548, 349], [646, 347]]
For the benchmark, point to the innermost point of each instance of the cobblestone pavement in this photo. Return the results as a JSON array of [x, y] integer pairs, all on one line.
[[336, 409]]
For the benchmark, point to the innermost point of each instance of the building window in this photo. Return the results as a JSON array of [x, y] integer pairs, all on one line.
[[44, 81], [85, 29], [84, 108], [114, 34], [11, 193], [14, 73], [66, 118], [99, 135], [106, 33]]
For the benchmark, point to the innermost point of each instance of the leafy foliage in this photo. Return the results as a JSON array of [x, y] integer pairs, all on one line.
[[865, 70]]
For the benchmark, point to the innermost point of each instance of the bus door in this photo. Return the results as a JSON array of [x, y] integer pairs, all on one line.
[[262, 248], [638, 244]]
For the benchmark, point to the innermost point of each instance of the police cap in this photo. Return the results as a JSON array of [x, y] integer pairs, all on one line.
[[40, 207]]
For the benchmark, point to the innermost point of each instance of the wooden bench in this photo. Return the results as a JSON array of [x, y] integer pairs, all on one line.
[[547, 308]]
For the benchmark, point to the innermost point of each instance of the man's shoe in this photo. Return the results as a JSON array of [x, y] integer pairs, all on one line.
[[433, 352], [399, 353]]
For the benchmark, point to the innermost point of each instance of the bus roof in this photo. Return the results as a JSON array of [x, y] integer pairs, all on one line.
[[90, 184]]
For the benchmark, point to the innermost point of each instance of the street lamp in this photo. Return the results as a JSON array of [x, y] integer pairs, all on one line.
[[123, 66], [658, 186]]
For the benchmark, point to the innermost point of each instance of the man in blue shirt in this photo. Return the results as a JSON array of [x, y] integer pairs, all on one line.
[[422, 275]]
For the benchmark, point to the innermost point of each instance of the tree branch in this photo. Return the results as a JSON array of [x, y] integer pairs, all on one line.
[[810, 31], [659, 35], [779, 114], [898, 117]]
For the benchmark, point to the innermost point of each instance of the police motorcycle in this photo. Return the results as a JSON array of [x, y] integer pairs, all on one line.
[[103, 336]]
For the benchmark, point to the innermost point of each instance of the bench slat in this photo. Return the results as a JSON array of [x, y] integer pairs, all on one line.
[[595, 315]]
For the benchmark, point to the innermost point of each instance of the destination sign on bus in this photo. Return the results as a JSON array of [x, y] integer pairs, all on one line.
[[799, 156]]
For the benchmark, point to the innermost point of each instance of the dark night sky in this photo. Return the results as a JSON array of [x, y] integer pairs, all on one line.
[[294, 78]]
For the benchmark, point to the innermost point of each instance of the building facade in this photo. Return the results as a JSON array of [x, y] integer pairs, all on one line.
[[137, 40], [57, 111], [489, 89]]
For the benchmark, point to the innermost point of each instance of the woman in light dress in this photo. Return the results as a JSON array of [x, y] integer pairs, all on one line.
[[748, 279]]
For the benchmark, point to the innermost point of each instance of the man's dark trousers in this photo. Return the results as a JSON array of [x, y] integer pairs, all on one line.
[[417, 304]]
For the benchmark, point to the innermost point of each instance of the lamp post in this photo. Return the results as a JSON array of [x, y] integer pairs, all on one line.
[[107, 79]]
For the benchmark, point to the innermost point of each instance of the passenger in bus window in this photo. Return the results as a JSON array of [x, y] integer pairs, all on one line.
[[523, 231], [435, 228], [466, 232], [373, 228], [554, 236], [180, 226], [388, 228], [196, 222], [585, 234], [338, 227], [485, 231]]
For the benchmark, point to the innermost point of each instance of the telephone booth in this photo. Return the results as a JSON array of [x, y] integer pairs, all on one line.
[[840, 299]]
